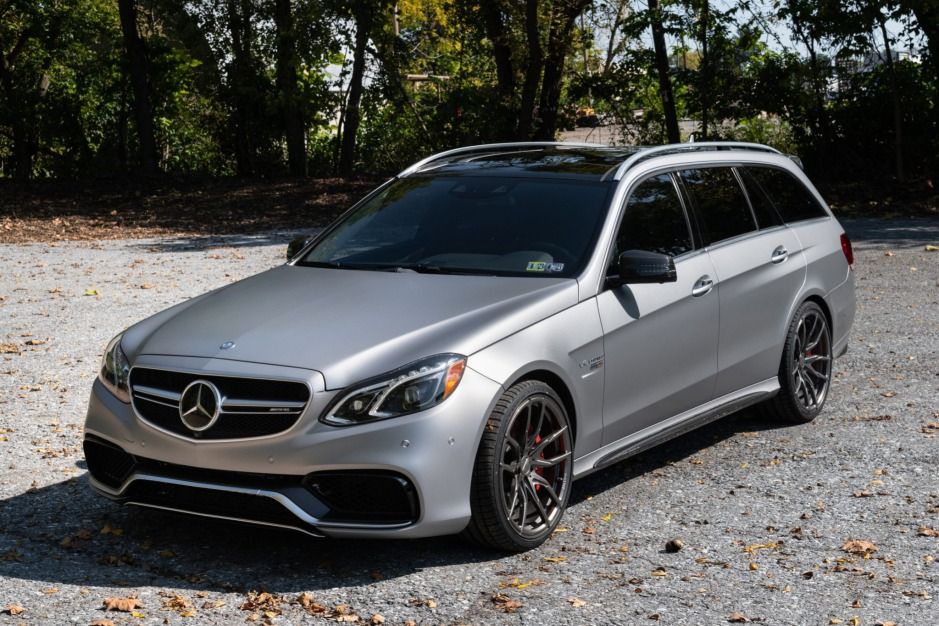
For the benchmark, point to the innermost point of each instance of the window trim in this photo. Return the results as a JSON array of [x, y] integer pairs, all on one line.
[[696, 242]]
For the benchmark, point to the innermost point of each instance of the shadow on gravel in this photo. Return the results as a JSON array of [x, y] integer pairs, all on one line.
[[677, 449], [893, 233], [65, 534], [199, 243]]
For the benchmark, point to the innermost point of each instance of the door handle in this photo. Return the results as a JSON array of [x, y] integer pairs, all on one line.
[[780, 254], [702, 286]]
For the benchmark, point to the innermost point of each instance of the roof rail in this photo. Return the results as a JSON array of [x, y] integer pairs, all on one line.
[[493, 146], [647, 153]]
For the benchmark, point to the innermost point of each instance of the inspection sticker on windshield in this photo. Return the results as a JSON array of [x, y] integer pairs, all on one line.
[[543, 266]]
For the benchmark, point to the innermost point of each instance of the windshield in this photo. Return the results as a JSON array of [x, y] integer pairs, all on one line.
[[473, 225]]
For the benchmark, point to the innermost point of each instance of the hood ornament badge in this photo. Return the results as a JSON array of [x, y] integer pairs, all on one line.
[[228, 345]]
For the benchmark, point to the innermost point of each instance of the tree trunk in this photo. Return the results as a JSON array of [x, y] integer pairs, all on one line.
[[532, 71], [239, 82], [564, 16], [501, 49], [705, 85], [895, 98], [661, 66], [363, 27], [287, 78], [139, 78]]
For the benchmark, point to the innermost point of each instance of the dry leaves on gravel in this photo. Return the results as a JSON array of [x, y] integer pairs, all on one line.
[[737, 618], [178, 603], [577, 602], [859, 547], [506, 604], [262, 602], [124, 605], [13, 609], [926, 531], [102, 622]]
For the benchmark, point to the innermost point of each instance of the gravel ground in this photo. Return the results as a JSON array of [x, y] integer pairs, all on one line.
[[763, 510]]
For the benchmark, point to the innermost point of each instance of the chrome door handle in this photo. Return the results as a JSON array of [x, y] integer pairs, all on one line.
[[702, 286], [780, 254]]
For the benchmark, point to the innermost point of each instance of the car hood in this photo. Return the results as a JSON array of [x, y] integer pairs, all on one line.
[[349, 324]]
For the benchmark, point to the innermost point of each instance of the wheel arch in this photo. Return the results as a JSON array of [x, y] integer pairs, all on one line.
[[556, 383]]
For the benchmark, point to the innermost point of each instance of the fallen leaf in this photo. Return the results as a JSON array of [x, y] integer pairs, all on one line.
[[931, 248], [146, 286], [737, 618], [753, 547], [577, 602], [607, 517], [859, 547], [926, 531], [516, 584], [659, 572], [102, 622], [35, 342], [262, 601], [9, 348], [888, 394], [378, 618], [91, 292], [885, 624], [506, 604], [13, 609], [125, 605], [889, 253], [555, 559]]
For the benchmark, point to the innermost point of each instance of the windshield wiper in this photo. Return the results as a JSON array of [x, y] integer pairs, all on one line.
[[423, 268]]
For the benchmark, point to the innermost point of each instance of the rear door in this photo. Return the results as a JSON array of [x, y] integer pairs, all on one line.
[[660, 340], [760, 268]]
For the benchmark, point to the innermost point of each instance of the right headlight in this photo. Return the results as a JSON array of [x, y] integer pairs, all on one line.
[[415, 387], [115, 370]]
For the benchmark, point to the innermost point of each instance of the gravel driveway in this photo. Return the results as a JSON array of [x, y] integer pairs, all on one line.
[[763, 510]]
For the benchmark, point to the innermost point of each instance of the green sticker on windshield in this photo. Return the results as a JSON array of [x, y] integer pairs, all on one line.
[[544, 266]]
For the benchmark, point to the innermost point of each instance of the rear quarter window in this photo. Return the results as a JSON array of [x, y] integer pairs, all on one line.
[[722, 208], [793, 201]]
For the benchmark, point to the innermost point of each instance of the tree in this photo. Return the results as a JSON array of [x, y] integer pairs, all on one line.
[[140, 81], [661, 68], [287, 78], [363, 14]]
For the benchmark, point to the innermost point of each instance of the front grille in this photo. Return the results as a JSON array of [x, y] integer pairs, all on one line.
[[365, 497], [250, 407], [107, 463], [241, 506]]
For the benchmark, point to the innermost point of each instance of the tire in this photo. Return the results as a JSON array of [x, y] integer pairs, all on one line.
[[521, 484], [805, 368]]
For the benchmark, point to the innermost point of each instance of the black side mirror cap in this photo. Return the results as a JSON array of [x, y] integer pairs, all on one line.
[[641, 266], [295, 246]]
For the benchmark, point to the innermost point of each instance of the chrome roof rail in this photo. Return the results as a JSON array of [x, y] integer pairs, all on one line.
[[675, 148], [497, 147]]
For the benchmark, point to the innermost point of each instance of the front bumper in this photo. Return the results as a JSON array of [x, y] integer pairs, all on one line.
[[429, 455]]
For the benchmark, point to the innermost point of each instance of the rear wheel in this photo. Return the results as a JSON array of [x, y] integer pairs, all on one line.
[[805, 368], [522, 477]]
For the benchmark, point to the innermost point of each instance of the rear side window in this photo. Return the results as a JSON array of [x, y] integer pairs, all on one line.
[[721, 205], [654, 219], [763, 208], [790, 197]]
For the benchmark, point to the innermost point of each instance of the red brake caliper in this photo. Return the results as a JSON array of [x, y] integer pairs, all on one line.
[[539, 470]]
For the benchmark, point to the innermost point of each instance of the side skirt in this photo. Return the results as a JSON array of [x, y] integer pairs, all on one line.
[[674, 426]]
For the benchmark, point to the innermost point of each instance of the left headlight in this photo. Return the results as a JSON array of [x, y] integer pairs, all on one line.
[[415, 387], [115, 369]]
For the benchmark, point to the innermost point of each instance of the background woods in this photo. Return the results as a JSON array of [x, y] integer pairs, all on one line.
[[105, 88]]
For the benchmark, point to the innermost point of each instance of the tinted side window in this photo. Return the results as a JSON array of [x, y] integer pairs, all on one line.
[[722, 207], [654, 219], [792, 200], [763, 208]]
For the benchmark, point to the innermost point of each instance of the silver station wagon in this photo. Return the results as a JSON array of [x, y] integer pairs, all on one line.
[[489, 325]]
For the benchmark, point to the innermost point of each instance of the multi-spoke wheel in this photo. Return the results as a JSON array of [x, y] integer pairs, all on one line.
[[805, 370], [522, 477]]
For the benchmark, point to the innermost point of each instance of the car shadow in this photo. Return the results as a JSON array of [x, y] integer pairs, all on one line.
[[65, 534], [672, 451]]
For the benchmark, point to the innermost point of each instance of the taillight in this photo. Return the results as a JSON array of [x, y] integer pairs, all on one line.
[[847, 249]]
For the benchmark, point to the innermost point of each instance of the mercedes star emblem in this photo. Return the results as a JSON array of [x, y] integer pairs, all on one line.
[[200, 405]]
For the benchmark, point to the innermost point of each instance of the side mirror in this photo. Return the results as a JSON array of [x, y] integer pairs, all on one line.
[[295, 246], [640, 266]]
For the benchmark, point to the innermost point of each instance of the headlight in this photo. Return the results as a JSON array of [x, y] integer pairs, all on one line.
[[412, 388], [115, 369]]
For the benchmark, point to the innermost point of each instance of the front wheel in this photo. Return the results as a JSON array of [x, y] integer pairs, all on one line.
[[805, 368], [523, 471]]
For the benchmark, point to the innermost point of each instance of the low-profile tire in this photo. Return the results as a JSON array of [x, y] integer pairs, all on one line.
[[523, 471], [805, 368]]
